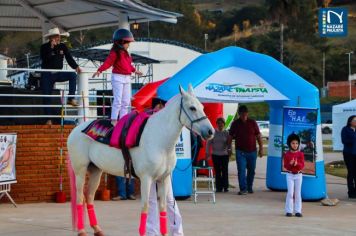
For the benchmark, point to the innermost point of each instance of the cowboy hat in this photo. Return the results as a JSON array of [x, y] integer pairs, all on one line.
[[55, 31]]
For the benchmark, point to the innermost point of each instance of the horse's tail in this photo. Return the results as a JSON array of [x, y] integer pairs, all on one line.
[[73, 193]]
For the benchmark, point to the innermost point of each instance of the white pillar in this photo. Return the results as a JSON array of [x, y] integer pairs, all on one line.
[[123, 21], [83, 91], [3, 65]]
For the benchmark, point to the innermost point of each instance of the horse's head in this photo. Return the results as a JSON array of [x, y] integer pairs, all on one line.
[[192, 116]]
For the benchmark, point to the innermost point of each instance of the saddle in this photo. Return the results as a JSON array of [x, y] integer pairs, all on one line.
[[125, 135], [127, 132]]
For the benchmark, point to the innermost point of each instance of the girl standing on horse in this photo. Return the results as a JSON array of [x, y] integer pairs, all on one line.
[[121, 61]]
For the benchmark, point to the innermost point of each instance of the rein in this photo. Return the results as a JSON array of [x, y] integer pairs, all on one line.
[[195, 146]]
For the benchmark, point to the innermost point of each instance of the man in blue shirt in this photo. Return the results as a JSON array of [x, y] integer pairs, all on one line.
[[348, 138]]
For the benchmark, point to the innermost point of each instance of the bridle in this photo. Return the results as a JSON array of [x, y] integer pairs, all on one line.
[[190, 119], [191, 130]]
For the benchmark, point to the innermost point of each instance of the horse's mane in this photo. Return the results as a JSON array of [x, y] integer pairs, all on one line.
[[167, 104], [172, 99]]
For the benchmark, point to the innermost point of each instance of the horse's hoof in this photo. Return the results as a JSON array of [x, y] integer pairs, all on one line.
[[100, 233]]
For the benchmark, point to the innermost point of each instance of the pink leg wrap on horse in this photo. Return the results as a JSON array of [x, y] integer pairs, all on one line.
[[91, 214], [80, 211], [142, 229], [163, 222]]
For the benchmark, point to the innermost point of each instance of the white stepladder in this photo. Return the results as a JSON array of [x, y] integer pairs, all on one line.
[[210, 180], [5, 189]]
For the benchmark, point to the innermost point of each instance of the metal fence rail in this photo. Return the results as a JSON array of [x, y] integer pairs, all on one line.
[[83, 96]]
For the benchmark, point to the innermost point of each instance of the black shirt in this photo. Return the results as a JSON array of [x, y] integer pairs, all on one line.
[[52, 58]]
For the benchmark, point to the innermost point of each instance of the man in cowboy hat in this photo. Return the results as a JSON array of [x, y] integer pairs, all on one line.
[[52, 55]]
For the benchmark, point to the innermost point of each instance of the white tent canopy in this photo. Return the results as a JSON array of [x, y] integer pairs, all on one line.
[[340, 115], [74, 15]]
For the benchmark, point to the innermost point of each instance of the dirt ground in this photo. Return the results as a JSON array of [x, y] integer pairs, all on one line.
[[260, 213]]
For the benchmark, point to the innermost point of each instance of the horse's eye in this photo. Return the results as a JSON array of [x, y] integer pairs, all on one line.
[[192, 108]]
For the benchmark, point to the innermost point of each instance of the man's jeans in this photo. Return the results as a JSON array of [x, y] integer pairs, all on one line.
[[121, 185], [48, 79], [246, 160]]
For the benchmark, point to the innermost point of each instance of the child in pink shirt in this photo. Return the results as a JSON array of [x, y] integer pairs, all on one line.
[[121, 61], [293, 162]]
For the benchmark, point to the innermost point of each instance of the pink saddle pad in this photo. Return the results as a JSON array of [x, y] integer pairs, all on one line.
[[135, 129]]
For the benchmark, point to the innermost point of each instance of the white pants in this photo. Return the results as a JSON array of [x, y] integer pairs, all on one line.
[[294, 184], [175, 226], [121, 88]]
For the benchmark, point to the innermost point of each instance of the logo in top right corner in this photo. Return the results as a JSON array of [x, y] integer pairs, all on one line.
[[333, 22]]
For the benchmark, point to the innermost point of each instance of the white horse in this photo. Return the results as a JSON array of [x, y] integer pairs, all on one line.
[[153, 160]]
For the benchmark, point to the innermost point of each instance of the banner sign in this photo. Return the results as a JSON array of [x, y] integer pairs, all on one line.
[[302, 122], [235, 84], [183, 147], [333, 22], [7, 158]]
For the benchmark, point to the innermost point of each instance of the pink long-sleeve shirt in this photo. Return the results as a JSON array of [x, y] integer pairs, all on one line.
[[120, 61], [296, 156]]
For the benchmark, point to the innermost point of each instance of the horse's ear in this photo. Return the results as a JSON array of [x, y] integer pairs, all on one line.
[[181, 90], [190, 89]]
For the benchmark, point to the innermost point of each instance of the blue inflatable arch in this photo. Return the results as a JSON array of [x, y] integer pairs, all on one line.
[[292, 90]]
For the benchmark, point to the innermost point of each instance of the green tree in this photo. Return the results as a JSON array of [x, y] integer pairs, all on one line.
[[281, 11], [311, 116], [305, 60], [16, 44], [226, 22], [188, 29], [303, 25]]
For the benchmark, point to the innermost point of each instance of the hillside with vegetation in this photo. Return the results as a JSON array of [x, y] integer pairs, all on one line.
[[255, 25]]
